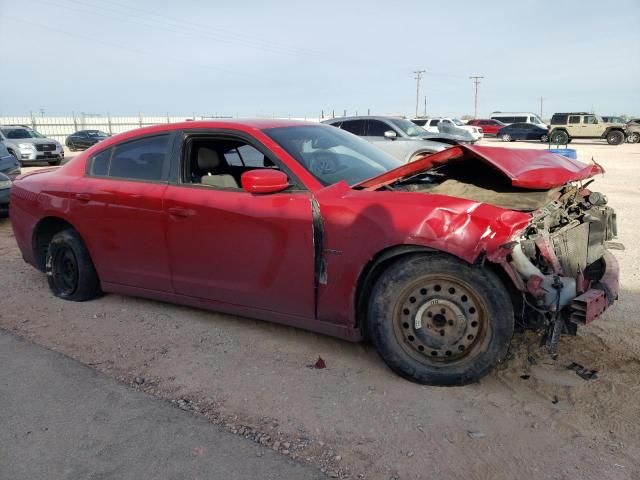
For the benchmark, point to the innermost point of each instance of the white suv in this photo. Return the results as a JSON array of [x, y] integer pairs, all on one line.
[[27, 145], [450, 125]]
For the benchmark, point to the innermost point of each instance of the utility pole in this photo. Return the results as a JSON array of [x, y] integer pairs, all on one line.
[[541, 101], [418, 77], [476, 82], [425, 107]]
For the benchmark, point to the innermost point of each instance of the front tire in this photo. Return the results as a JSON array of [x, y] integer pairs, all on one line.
[[506, 137], [560, 137], [437, 320], [70, 271], [615, 137], [633, 137], [544, 138]]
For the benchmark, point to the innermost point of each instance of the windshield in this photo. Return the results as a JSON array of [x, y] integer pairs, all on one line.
[[17, 133], [409, 128], [96, 133], [458, 122], [331, 154]]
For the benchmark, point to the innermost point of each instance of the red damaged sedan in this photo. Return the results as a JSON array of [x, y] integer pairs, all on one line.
[[435, 262]]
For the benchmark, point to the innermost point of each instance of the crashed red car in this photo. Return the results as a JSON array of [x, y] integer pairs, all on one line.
[[435, 262]]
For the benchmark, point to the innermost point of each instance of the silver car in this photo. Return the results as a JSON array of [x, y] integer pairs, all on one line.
[[396, 136], [27, 145]]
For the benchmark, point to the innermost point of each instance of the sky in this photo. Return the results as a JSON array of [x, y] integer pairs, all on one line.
[[298, 58]]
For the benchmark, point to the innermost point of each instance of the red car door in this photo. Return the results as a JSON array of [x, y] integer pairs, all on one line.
[[231, 246], [118, 210], [243, 249]]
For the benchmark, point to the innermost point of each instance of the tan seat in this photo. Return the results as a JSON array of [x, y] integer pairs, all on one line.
[[208, 162]]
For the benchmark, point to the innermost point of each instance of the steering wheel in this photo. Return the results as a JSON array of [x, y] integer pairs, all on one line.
[[323, 163]]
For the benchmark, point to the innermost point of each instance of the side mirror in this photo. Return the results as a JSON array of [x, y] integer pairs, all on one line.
[[390, 134], [264, 181]]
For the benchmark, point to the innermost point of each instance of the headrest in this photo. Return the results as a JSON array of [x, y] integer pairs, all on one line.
[[208, 159]]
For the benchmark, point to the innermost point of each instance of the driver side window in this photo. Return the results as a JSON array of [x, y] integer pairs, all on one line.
[[219, 162]]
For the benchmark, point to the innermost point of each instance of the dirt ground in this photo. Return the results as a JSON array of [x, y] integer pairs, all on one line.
[[532, 417]]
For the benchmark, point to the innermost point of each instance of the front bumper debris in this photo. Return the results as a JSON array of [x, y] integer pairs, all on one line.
[[591, 304]]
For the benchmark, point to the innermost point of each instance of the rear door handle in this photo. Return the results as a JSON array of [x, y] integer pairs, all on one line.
[[181, 212], [83, 197]]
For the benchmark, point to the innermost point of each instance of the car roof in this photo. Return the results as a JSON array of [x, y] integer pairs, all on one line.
[[363, 117], [246, 125]]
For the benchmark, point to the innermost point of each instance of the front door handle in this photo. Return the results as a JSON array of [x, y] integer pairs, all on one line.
[[83, 197], [181, 212]]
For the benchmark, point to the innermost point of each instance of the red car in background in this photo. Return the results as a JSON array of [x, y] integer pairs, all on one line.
[[489, 127], [434, 261]]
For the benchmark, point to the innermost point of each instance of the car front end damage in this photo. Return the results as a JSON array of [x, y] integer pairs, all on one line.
[[558, 258], [561, 264]]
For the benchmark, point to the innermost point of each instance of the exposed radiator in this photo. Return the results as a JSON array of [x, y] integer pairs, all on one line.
[[571, 247]]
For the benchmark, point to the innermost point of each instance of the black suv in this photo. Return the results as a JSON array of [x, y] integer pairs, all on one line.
[[567, 126]]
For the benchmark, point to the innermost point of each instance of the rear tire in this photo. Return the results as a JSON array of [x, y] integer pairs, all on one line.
[[70, 271], [615, 137], [437, 320]]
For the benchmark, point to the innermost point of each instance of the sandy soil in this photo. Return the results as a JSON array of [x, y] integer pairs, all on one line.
[[531, 417]]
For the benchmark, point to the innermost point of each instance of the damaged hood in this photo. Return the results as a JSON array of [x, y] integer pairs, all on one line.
[[530, 169]]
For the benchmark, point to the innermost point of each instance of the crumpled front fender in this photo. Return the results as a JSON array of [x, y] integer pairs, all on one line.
[[468, 229]]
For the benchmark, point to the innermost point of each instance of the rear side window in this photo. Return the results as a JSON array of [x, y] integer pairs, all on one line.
[[434, 123], [143, 159], [574, 119]]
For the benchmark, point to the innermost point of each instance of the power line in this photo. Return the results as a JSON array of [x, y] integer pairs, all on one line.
[[476, 81], [418, 77]]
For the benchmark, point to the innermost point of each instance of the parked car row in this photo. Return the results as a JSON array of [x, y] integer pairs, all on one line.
[[564, 127]]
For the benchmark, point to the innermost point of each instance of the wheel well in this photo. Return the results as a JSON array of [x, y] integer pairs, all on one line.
[[42, 235], [372, 272], [382, 260]]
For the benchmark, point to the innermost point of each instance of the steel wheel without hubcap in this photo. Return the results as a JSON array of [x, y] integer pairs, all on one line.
[[64, 270], [440, 319]]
